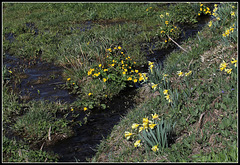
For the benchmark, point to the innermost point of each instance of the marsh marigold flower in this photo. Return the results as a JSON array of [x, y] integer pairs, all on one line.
[[85, 108], [68, 79]]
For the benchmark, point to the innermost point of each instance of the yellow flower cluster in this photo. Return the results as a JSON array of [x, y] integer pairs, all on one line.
[[139, 127], [151, 65], [228, 31], [181, 74], [214, 12], [148, 8], [203, 9], [167, 96], [223, 66]]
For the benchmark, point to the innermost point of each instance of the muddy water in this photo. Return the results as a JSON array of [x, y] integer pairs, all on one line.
[[40, 80]]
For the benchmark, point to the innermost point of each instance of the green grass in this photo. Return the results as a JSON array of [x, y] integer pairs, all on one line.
[[203, 104]]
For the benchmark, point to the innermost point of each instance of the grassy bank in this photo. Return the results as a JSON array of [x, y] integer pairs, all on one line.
[[196, 89], [103, 52]]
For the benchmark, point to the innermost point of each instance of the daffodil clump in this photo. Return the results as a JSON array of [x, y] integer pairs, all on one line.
[[138, 128], [225, 66], [151, 132]]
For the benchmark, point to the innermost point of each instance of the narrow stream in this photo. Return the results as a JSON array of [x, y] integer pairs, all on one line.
[[40, 80]]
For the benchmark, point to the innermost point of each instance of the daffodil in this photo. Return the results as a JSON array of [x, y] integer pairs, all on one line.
[[140, 129], [188, 73], [165, 92], [229, 71], [179, 73], [234, 62], [134, 125], [166, 22], [137, 143], [223, 65], [152, 125], [154, 86], [154, 116], [155, 148], [128, 134]]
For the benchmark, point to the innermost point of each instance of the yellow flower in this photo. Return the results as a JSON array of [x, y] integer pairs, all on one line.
[[152, 125], [105, 70], [229, 71], [145, 120], [89, 94], [129, 78], [167, 14], [154, 86], [166, 22], [140, 129], [135, 80], [110, 50], [168, 98], [73, 83], [136, 71], [154, 116], [100, 65], [68, 79], [162, 31], [128, 134], [161, 16], [155, 148], [113, 64], [179, 73], [134, 125], [165, 40], [85, 108], [10, 71], [165, 92], [223, 65], [186, 74], [232, 13], [104, 79], [234, 62], [121, 52], [124, 72], [210, 24], [137, 143], [72, 109], [119, 47]]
